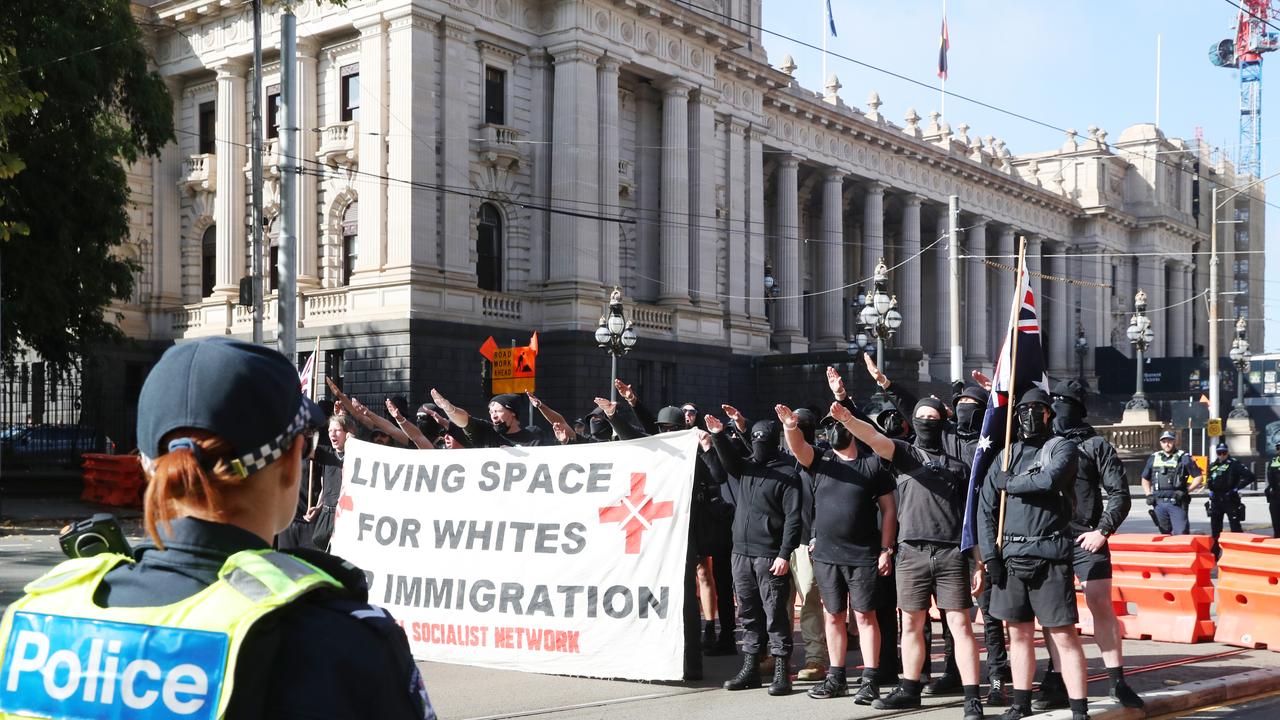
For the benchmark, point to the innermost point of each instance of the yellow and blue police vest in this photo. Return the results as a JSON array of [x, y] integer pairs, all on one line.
[[63, 656], [1165, 473]]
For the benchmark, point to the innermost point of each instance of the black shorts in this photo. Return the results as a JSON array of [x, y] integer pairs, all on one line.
[[937, 570], [1049, 596], [842, 585], [1092, 566]]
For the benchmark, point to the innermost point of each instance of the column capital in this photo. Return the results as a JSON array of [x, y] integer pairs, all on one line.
[[307, 48], [575, 51], [674, 87], [456, 29], [738, 125], [409, 16], [875, 187], [708, 96], [978, 221], [913, 200], [231, 68], [789, 160], [609, 63], [833, 176], [1034, 238], [370, 25], [757, 132]]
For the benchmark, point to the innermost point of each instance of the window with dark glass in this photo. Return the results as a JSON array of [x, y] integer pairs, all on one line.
[[489, 248], [208, 261], [207, 119], [350, 78], [350, 232], [273, 243], [495, 96], [273, 111]]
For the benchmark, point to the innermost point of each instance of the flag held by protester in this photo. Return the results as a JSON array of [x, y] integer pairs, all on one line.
[[1028, 372]]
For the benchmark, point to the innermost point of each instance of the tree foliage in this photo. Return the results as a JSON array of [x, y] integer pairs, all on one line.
[[78, 103]]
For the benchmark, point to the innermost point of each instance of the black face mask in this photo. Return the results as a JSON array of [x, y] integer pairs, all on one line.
[[1031, 422], [968, 419], [838, 436], [428, 426], [599, 427], [928, 433], [763, 451], [1067, 415], [894, 426]]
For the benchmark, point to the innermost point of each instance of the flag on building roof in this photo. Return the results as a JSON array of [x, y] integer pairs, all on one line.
[[831, 19], [943, 46], [1028, 372]]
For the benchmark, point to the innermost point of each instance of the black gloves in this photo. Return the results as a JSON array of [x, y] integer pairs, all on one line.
[[996, 572]]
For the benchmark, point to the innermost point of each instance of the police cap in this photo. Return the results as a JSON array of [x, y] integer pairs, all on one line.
[[246, 394], [1222, 449], [1168, 435]]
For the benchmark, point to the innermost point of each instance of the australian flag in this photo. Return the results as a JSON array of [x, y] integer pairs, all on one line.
[[1028, 372]]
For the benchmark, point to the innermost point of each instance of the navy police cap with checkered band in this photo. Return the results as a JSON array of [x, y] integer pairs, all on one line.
[[247, 394]]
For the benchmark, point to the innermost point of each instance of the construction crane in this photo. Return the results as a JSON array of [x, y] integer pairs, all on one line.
[[1245, 53]]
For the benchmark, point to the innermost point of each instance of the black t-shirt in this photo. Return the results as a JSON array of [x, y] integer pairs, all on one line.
[[931, 492], [844, 497]]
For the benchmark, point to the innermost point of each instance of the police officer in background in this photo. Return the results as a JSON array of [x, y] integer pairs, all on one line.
[[1164, 480], [766, 530], [1227, 476], [233, 628], [1028, 551], [1098, 469], [1273, 491]]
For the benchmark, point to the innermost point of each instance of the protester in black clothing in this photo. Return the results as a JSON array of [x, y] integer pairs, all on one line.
[[1227, 477], [1273, 491], [844, 493], [1024, 532], [931, 491], [323, 485], [766, 529], [1098, 469], [503, 428]]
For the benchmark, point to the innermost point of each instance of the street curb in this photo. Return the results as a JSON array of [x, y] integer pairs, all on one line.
[[1186, 696]]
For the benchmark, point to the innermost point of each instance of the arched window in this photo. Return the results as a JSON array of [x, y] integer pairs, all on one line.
[[208, 261], [350, 231], [489, 248]]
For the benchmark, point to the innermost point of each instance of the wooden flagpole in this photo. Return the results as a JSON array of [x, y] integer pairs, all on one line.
[[1015, 316], [311, 393]]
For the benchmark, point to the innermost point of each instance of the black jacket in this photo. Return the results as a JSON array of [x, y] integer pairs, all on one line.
[[481, 434], [1039, 488], [1228, 477], [767, 521], [1098, 467], [332, 655]]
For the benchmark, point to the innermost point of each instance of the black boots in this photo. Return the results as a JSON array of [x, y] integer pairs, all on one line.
[[781, 684], [748, 677]]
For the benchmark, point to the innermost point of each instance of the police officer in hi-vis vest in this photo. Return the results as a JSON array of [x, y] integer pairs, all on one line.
[[1164, 479], [1273, 491], [210, 622]]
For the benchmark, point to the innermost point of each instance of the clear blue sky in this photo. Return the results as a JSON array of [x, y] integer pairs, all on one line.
[[1070, 65]]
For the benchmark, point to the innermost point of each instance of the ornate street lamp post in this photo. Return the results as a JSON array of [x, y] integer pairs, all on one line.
[[615, 335], [1141, 335], [1082, 351], [1240, 356], [878, 315]]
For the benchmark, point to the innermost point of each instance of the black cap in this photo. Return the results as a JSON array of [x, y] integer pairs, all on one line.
[[1035, 395], [975, 392], [1071, 390], [508, 401], [766, 431], [671, 415], [248, 395], [930, 402]]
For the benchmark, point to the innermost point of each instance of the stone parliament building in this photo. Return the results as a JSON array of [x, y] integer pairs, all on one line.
[[478, 168]]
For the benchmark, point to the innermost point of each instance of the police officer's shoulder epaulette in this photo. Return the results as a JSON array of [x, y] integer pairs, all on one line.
[[355, 584]]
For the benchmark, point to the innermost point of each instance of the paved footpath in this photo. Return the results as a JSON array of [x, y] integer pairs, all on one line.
[[1175, 678]]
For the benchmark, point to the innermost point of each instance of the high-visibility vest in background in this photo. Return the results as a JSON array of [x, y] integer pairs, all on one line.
[[63, 656]]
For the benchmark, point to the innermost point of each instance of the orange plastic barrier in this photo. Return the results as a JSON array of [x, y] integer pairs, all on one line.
[[1167, 580], [113, 479], [1249, 591]]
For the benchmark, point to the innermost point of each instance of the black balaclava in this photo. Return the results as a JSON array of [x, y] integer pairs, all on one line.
[[765, 435], [598, 426], [969, 415], [428, 426], [807, 421], [837, 435], [1067, 414], [928, 431]]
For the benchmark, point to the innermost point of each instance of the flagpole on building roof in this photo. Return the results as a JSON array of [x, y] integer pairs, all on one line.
[[1014, 318]]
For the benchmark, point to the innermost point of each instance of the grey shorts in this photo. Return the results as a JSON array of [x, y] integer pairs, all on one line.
[[1092, 566], [1049, 596], [843, 585], [936, 570]]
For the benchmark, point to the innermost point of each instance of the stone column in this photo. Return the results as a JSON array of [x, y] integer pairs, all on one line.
[[412, 238], [910, 300], [977, 344], [998, 321], [787, 328], [230, 212], [371, 250], [575, 163], [1060, 331], [308, 239], [675, 193], [166, 220], [1189, 311], [704, 238], [540, 163], [737, 184], [1177, 326], [872, 229], [610, 231], [941, 356], [755, 221], [458, 74], [829, 275]]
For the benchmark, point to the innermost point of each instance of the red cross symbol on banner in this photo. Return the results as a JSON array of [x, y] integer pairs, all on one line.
[[636, 512]]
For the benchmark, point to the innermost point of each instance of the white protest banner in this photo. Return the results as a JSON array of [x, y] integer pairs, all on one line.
[[565, 559]]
